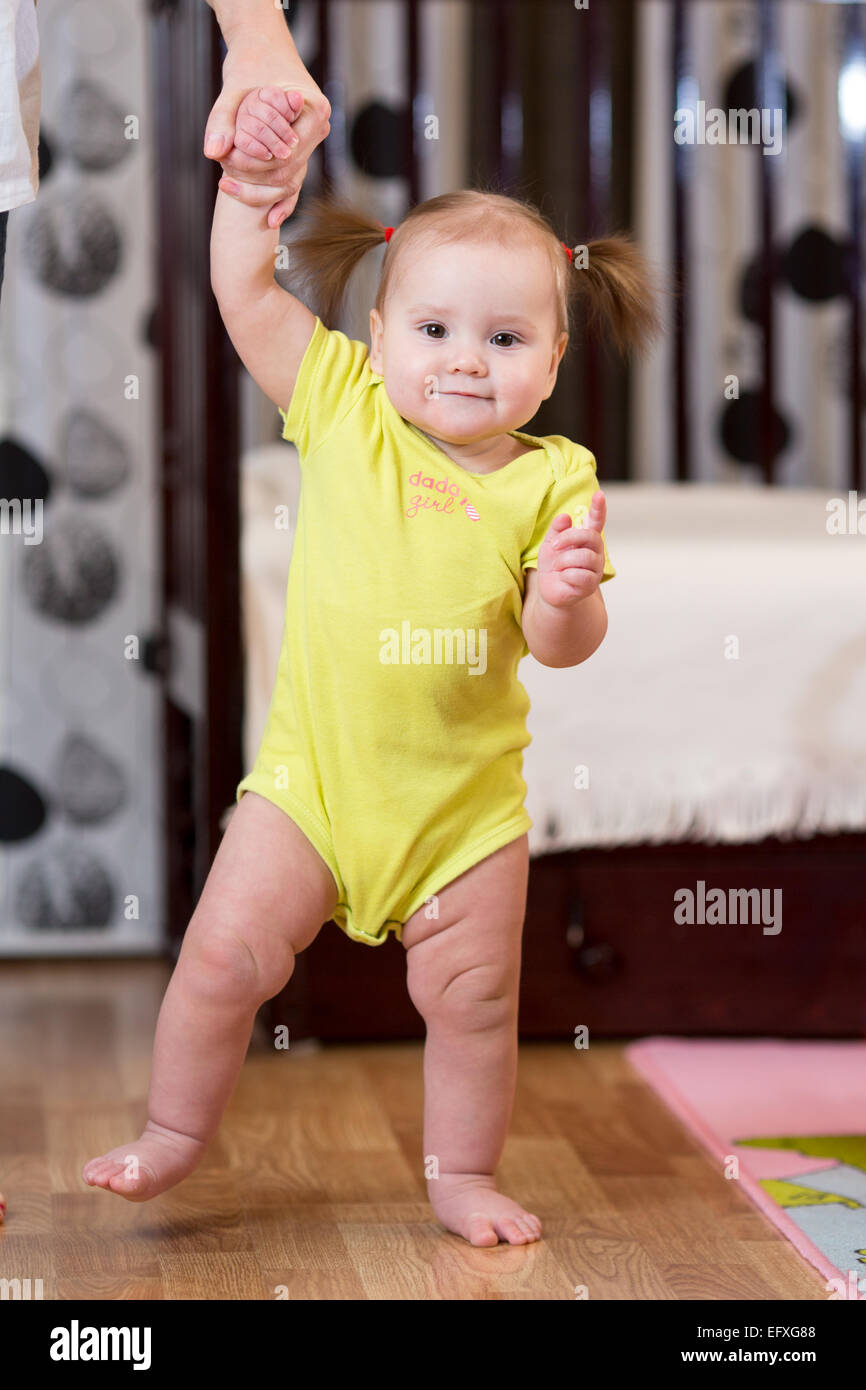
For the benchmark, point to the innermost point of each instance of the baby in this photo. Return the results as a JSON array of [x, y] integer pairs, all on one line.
[[387, 793]]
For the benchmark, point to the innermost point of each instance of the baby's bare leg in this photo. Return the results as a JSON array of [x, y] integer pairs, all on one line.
[[266, 897], [463, 975]]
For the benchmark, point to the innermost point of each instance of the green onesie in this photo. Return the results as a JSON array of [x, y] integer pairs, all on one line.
[[396, 726]]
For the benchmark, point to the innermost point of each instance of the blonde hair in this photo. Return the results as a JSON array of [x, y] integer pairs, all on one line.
[[617, 286]]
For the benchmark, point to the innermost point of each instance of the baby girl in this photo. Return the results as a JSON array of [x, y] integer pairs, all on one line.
[[387, 794]]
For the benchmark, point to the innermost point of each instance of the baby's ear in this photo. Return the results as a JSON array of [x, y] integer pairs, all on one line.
[[375, 332]]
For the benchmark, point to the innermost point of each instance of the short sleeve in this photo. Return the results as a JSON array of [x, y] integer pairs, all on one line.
[[333, 376], [570, 493]]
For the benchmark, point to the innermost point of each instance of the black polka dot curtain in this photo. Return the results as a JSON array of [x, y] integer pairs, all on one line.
[[80, 737], [756, 213], [361, 56]]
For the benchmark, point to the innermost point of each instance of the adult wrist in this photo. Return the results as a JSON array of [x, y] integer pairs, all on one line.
[[268, 25]]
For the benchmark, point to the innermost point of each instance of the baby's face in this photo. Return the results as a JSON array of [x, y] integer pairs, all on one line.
[[469, 349]]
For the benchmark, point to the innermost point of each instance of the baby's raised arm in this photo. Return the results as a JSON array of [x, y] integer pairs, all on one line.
[[269, 327]]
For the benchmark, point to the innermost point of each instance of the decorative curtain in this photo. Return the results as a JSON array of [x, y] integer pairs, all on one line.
[[811, 233], [365, 80], [80, 740]]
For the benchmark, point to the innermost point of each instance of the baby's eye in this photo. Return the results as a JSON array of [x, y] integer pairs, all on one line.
[[503, 334], [425, 326]]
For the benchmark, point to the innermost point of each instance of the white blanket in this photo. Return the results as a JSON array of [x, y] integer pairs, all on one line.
[[728, 699], [682, 739]]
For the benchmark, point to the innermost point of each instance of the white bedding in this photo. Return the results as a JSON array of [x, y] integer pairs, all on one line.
[[679, 742]]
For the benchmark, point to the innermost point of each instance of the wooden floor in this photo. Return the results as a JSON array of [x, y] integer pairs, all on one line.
[[315, 1180]]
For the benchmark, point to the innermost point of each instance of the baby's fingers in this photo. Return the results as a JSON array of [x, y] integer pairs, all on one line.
[[577, 535], [577, 558], [255, 195], [256, 138], [261, 130], [597, 511], [288, 103]]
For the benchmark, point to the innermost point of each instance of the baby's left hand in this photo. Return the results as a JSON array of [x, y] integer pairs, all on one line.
[[571, 558]]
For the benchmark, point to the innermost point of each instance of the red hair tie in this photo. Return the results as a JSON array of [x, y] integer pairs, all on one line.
[[389, 231], [568, 249]]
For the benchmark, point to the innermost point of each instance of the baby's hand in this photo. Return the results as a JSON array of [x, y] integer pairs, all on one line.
[[255, 170], [263, 124], [571, 558]]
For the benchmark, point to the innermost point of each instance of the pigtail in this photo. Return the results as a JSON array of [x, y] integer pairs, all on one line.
[[335, 238], [620, 289]]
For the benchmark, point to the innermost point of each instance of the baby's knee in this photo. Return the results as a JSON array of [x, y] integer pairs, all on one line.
[[480, 996], [223, 964]]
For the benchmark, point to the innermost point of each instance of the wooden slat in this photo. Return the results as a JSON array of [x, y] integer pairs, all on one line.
[[681, 166], [324, 150], [412, 81], [770, 95], [200, 559]]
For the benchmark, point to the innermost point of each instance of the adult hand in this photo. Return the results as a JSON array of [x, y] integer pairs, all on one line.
[[251, 63]]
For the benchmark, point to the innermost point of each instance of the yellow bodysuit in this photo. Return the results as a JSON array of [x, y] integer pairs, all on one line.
[[396, 726]]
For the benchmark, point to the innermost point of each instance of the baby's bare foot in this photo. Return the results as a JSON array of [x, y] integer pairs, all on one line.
[[469, 1205], [141, 1170]]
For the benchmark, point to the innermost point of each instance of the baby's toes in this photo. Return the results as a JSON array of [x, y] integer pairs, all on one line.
[[513, 1232], [527, 1225], [109, 1170], [480, 1230], [122, 1182], [96, 1172]]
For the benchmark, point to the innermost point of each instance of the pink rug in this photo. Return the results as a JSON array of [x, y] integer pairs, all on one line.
[[794, 1114]]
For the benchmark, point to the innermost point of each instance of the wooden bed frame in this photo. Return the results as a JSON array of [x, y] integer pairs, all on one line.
[[602, 949]]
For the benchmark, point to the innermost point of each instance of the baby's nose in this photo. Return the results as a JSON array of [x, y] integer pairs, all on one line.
[[467, 361]]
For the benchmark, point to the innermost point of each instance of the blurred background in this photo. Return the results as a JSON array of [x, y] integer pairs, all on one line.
[[720, 728]]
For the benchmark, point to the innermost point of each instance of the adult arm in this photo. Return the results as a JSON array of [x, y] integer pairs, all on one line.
[[260, 52]]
